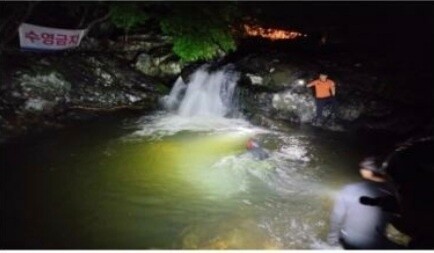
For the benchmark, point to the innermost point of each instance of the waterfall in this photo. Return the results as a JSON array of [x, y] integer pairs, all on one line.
[[206, 94], [171, 101]]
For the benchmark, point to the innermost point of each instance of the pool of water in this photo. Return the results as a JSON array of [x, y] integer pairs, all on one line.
[[170, 182]]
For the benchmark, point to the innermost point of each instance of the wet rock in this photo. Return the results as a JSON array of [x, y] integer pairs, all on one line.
[[133, 98], [149, 53], [273, 85], [41, 90], [38, 105], [145, 64], [171, 68], [158, 66], [270, 123], [301, 105], [284, 75], [49, 86], [141, 42], [351, 111], [255, 79], [105, 78], [188, 70]]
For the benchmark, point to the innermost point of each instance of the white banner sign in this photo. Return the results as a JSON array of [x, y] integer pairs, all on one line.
[[46, 38]]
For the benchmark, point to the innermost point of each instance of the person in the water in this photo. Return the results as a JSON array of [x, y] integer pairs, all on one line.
[[256, 150], [356, 225]]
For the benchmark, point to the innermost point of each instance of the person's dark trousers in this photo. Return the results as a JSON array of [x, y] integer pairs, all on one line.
[[385, 244], [321, 103]]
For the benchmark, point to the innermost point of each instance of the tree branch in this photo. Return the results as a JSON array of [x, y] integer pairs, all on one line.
[[83, 18], [96, 21]]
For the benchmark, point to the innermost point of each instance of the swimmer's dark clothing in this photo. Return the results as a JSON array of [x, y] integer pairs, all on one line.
[[259, 153]]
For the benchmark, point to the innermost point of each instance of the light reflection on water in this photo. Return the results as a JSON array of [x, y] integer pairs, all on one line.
[[280, 202], [169, 183]]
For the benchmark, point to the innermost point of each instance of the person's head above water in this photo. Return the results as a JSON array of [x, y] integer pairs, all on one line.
[[251, 143], [370, 170]]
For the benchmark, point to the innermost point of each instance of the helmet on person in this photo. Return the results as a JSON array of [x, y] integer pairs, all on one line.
[[251, 144]]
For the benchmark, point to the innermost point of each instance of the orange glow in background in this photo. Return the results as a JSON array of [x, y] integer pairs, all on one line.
[[270, 33]]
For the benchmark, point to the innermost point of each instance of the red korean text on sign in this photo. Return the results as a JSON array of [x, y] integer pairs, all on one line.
[[73, 39], [32, 36], [47, 38], [61, 39]]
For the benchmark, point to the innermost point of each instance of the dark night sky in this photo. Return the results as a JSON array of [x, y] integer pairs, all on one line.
[[404, 30], [386, 18], [396, 16], [398, 28]]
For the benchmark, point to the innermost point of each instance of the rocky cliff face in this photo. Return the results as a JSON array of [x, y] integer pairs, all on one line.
[[40, 89], [150, 54]]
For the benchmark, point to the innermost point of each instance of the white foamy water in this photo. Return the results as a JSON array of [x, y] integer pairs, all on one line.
[[162, 125], [201, 105], [171, 101], [207, 94]]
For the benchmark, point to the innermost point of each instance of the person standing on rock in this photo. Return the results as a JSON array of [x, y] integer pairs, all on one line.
[[325, 92]]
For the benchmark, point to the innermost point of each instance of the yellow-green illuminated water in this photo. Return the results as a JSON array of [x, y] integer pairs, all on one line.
[[167, 182]]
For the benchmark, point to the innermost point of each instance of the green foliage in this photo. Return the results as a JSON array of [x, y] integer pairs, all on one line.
[[127, 16], [200, 31], [193, 47]]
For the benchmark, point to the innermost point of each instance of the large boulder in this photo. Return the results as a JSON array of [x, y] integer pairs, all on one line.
[[43, 89], [300, 105], [149, 53], [166, 66]]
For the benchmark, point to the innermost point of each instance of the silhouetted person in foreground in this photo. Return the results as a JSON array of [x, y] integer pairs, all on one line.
[[325, 92], [356, 225], [411, 168], [256, 150]]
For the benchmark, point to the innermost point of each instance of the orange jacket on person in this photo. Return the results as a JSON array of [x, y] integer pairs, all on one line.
[[323, 89]]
